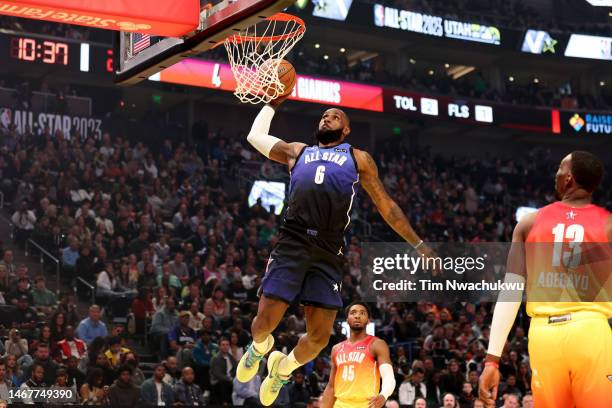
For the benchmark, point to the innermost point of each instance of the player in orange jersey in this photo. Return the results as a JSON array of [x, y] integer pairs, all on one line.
[[358, 364], [563, 252]]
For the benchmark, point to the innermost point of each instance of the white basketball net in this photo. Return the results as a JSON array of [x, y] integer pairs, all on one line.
[[256, 53]]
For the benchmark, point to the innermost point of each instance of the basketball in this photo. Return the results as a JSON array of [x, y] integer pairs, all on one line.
[[286, 76]]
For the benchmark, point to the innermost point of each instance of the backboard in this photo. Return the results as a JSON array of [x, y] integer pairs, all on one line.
[[141, 55]]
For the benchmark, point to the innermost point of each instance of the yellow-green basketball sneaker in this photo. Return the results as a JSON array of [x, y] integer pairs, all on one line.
[[273, 383], [249, 363]]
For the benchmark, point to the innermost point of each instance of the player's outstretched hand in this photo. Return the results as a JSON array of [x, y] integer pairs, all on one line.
[[487, 386], [275, 103], [427, 252], [377, 401]]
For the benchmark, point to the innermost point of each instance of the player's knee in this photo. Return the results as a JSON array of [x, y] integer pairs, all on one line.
[[318, 340]]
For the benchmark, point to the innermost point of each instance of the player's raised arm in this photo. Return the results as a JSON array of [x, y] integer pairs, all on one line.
[[380, 351], [506, 308], [272, 147], [329, 398], [389, 210]]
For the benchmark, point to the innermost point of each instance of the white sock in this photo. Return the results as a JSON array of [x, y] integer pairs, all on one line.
[[262, 347], [288, 365]]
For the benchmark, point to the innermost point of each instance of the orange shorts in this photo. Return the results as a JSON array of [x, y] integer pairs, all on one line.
[[571, 361]]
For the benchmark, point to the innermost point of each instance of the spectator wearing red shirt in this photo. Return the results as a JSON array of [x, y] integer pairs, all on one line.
[[142, 308], [71, 346]]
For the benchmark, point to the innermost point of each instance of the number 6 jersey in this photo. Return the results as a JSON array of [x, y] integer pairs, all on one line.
[[569, 261], [322, 190]]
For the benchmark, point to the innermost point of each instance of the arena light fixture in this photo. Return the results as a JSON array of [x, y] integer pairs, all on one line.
[[460, 70], [317, 45], [342, 49], [356, 57], [602, 83], [536, 80], [511, 78], [326, 57], [446, 65], [412, 61], [431, 72]]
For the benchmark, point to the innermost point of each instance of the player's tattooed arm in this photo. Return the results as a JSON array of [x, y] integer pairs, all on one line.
[[388, 209], [328, 398]]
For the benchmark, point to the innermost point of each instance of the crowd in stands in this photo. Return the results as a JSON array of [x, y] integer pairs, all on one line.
[[166, 233], [21, 94], [419, 78]]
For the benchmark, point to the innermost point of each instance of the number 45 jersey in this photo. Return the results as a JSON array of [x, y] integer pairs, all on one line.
[[569, 261], [324, 181], [357, 377]]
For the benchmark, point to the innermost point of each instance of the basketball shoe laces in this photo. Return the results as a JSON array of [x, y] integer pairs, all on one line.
[[279, 382], [252, 356]]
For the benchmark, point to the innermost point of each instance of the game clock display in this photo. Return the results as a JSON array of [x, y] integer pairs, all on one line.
[[38, 50], [71, 55]]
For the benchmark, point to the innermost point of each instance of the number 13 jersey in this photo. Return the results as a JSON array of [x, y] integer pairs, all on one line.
[[568, 261], [324, 181]]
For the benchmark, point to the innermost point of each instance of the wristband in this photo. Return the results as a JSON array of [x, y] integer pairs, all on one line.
[[418, 244], [491, 364]]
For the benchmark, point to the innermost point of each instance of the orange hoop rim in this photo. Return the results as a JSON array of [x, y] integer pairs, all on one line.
[[283, 17]]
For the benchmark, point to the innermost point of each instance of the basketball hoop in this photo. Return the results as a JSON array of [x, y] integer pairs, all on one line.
[[256, 53]]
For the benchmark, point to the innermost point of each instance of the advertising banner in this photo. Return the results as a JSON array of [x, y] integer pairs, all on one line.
[[589, 46], [216, 75], [69, 125], [171, 18], [398, 101], [434, 25]]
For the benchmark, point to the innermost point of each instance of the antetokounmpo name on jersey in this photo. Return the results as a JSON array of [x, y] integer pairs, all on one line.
[[352, 357], [339, 159]]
